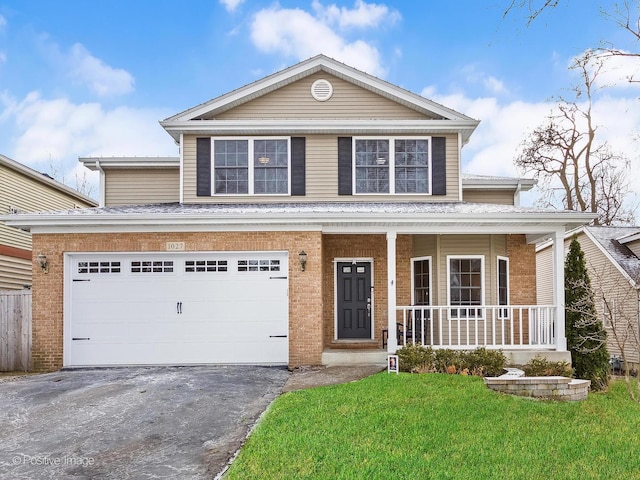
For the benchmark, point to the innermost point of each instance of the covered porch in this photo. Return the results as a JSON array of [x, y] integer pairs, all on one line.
[[457, 307]]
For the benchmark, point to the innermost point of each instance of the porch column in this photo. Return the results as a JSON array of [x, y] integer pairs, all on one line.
[[392, 340], [558, 289]]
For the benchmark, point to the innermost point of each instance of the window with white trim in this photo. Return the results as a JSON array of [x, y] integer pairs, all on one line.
[[251, 166], [99, 267], [421, 280], [196, 266], [392, 165], [466, 285], [503, 285], [152, 266], [258, 265]]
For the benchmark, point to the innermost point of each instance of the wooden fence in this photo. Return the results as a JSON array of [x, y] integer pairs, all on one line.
[[15, 330]]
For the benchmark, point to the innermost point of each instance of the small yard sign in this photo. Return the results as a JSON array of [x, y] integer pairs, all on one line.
[[392, 364]]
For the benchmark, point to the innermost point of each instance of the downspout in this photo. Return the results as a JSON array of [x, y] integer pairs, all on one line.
[[103, 183], [516, 195]]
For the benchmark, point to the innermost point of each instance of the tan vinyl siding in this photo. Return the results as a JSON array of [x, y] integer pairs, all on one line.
[[609, 283], [28, 195], [498, 197], [15, 273], [321, 176], [440, 246], [141, 186], [634, 247], [544, 277], [294, 101]]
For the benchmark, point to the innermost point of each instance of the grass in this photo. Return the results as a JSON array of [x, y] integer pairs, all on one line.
[[438, 426]]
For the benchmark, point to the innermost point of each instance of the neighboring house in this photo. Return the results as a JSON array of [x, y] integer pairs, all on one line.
[[24, 190], [612, 255], [308, 214]]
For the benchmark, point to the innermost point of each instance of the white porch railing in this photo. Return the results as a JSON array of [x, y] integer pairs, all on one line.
[[491, 326]]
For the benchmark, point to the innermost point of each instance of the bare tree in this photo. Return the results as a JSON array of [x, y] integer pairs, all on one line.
[[80, 182], [574, 170], [620, 303]]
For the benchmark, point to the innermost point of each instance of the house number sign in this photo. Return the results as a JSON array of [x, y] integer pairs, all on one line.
[[175, 246]]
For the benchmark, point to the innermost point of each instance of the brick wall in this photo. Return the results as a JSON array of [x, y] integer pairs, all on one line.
[[522, 277], [305, 288], [366, 246]]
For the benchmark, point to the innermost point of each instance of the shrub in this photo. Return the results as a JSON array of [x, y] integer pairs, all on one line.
[[415, 358], [541, 367], [480, 362], [448, 361], [485, 363]]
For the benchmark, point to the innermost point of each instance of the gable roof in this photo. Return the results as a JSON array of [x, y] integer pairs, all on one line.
[[46, 180], [445, 118], [608, 240]]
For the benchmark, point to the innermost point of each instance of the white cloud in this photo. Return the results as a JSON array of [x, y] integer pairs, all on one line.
[[231, 5], [55, 132], [363, 15], [503, 126], [97, 75], [296, 33]]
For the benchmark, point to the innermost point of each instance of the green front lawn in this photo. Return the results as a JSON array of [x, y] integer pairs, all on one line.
[[441, 426]]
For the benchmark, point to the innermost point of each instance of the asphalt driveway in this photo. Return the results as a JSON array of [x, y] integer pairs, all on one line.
[[157, 422]]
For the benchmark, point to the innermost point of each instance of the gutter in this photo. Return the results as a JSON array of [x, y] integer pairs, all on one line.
[[103, 182]]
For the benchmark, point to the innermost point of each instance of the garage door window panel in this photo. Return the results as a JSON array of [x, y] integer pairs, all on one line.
[[152, 266], [195, 266], [99, 267], [258, 265]]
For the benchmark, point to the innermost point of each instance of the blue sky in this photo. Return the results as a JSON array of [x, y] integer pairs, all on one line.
[[88, 78]]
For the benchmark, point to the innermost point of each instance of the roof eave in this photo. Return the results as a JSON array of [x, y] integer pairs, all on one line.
[[338, 127], [92, 163]]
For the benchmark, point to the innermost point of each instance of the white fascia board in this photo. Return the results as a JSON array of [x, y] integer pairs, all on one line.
[[525, 184], [632, 237], [92, 163], [309, 67], [468, 223], [338, 127]]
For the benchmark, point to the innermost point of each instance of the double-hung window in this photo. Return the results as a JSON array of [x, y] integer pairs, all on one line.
[[251, 166], [392, 165], [503, 286], [466, 285]]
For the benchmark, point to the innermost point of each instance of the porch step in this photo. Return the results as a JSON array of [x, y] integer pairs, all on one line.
[[336, 357], [355, 344]]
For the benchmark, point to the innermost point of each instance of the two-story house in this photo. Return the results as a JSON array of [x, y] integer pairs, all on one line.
[[24, 190], [311, 216]]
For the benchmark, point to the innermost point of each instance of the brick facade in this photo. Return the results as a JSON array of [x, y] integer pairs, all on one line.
[[305, 288], [311, 293]]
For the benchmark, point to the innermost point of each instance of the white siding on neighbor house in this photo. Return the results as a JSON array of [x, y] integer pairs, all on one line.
[[294, 101], [634, 247], [499, 197], [15, 273], [321, 176], [609, 284], [544, 276], [138, 186]]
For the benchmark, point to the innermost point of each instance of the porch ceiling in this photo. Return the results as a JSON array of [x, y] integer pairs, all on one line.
[[328, 217]]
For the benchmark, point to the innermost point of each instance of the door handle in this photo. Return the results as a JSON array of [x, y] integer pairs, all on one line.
[[179, 308]]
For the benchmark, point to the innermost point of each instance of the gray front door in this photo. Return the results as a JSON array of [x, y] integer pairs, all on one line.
[[354, 300]]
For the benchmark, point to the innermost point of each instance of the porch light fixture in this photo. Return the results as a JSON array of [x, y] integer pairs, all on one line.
[[264, 160], [303, 260], [42, 261]]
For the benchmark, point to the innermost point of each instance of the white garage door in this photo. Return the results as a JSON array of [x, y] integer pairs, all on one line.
[[125, 309]]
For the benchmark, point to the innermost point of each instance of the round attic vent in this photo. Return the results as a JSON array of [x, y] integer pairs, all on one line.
[[321, 90]]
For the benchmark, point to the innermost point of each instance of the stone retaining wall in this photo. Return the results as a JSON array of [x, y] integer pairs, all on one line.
[[554, 388]]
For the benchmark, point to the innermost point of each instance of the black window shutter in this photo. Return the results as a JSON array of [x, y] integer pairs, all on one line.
[[439, 165], [344, 166], [298, 176], [203, 167]]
